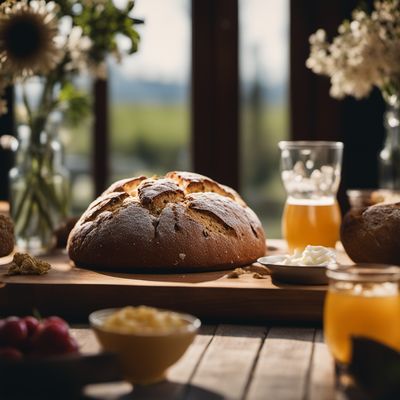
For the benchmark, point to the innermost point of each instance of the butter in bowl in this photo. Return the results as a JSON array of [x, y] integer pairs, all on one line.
[[147, 340], [306, 267]]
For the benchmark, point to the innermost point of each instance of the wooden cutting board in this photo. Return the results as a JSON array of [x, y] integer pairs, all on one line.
[[75, 292]]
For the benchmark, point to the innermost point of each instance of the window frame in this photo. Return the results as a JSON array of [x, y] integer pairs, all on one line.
[[215, 89]]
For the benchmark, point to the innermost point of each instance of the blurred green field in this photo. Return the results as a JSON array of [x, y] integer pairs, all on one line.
[[155, 138], [161, 126], [261, 185]]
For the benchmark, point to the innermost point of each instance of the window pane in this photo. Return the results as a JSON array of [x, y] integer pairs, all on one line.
[[264, 49], [77, 140], [150, 123]]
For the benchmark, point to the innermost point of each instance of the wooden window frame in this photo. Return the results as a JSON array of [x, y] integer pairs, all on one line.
[[101, 136], [7, 127], [215, 89]]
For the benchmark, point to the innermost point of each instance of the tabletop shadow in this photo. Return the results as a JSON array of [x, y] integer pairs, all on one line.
[[184, 277], [298, 286]]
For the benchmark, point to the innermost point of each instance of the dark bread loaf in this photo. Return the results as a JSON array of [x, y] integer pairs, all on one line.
[[372, 234], [6, 235], [180, 221]]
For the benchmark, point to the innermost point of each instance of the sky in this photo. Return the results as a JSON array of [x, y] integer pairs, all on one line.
[[264, 40], [164, 50]]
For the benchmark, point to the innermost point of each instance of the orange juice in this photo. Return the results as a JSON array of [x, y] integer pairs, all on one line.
[[347, 314], [311, 222]]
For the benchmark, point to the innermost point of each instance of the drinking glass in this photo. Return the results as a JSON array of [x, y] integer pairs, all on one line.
[[362, 300], [310, 173]]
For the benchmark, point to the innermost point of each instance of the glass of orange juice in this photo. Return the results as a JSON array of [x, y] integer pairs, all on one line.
[[363, 300], [310, 172]]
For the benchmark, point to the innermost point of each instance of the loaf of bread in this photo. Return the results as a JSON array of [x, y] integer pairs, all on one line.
[[6, 235], [180, 221], [372, 234]]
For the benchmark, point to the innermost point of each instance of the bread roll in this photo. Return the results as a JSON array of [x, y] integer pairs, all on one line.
[[372, 234], [180, 221], [6, 236]]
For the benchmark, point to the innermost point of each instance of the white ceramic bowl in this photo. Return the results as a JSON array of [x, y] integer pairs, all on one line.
[[294, 274]]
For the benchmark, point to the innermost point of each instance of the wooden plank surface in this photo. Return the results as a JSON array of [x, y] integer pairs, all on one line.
[[283, 365], [236, 362], [228, 361], [75, 292], [322, 382]]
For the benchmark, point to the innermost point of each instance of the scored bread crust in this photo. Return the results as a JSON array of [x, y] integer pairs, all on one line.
[[181, 221]]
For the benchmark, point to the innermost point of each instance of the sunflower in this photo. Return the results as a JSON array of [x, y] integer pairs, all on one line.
[[28, 37]]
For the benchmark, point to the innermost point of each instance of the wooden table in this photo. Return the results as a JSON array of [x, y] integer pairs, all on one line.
[[75, 292], [246, 362], [237, 362]]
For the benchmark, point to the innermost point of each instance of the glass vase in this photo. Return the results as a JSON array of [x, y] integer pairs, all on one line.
[[389, 157], [39, 186]]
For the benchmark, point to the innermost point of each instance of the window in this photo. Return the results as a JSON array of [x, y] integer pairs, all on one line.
[[152, 125], [264, 49], [149, 94], [77, 142]]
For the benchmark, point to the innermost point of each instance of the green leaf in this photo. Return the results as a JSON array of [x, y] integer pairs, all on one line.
[[36, 314], [76, 103], [102, 23]]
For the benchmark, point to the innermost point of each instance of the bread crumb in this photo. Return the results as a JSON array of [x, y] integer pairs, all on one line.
[[238, 272], [235, 273], [24, 264], [182, 256], [261, 269]]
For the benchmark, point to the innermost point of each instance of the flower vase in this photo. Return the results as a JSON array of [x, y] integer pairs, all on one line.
[[39, 187], [389, 157]]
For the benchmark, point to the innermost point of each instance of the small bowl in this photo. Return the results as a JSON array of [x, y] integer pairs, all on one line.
[[294, 274], [145, 358]]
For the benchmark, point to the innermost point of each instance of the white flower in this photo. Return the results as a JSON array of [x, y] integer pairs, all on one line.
[[366, 52], [78, 47]]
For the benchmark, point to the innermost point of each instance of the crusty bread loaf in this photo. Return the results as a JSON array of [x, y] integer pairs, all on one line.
[[6, 235], [180, 221], [372, 234]]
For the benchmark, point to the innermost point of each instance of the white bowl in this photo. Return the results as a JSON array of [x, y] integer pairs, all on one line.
[[294, 274]]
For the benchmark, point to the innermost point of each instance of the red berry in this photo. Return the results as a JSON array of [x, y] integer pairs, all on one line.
[[57, 320], [51, 339], [32, 324], [73, 347], [13, 332], [10, 354]]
